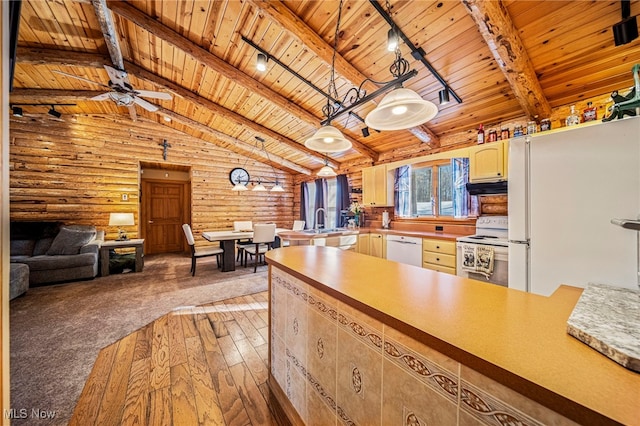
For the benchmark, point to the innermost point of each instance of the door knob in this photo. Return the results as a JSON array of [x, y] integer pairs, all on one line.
[[150, 221]]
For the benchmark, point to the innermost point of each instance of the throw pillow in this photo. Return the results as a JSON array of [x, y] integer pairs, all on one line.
[[69, 241], [42, 246], [22, 247]]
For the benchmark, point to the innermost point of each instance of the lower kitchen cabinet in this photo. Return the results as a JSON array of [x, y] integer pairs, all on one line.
[[439, 255], [372, 244]]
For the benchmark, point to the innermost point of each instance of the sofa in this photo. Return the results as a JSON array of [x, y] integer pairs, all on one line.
[[55, 252]]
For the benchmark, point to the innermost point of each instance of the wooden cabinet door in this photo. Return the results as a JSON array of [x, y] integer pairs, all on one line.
[[368, 186], [486, 162], [376, 245], [363, 244], [375, 186]]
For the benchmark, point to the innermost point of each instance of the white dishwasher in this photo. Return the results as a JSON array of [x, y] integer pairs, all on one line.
[[404, 249]]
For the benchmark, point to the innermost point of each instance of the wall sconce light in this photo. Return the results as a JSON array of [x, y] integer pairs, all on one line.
[[17, 111], [443, 95], [261, 63], [54, 113]]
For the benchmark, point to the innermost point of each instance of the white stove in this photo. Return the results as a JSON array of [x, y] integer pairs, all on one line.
[[492, 236], [490, 231]]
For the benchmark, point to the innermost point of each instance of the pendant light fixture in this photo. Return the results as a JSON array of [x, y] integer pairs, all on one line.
[[326, 170], [401, 108], [328, 138], [259, 184]]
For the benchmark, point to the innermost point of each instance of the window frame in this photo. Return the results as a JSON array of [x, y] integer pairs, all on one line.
[[435, 178]]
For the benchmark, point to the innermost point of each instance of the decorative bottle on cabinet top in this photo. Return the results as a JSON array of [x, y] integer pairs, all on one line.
[[573, 119], [481, 135], [589, 113]]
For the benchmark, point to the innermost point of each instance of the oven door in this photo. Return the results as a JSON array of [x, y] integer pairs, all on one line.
[[500, 275]]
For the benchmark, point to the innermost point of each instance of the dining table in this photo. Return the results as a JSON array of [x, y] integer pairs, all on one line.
[[227, 239]]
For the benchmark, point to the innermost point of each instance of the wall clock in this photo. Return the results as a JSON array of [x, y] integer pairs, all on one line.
[[239, 175]]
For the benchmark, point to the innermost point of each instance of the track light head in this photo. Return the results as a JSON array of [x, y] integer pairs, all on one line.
[[55, 113], [392, 40], [261, 63], [365, 132], [17, 111], [444, 96]]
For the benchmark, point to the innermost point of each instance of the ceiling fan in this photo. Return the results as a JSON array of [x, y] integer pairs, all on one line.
[[121, 92]]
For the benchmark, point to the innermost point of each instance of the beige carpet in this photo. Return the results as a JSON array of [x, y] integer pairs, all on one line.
[[57, 331]]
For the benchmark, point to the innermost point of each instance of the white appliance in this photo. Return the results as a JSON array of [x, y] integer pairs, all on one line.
[[404, 249], [491, 231], [565, 187]]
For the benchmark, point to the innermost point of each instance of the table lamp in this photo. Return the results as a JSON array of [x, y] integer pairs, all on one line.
[[121, 219]]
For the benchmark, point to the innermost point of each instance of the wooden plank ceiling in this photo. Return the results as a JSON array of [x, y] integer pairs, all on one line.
[[505, 60]]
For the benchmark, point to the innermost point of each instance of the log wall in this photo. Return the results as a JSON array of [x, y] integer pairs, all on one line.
[[75, 170]]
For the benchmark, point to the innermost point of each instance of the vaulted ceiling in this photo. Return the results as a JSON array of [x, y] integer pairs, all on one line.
[[504, 59]]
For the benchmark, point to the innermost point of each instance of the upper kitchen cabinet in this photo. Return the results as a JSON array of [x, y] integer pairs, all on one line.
[[377, 186], [487, 162]]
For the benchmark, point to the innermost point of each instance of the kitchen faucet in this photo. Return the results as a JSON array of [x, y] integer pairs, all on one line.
[[325, 217]]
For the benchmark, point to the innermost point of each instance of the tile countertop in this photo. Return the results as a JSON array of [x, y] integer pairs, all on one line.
[[516, 338]]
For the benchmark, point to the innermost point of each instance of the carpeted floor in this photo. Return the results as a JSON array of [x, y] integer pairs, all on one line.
[[58, 330]]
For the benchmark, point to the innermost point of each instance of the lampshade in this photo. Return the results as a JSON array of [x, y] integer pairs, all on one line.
[[121, 219], [259, 187], [277, 188], [239, 187], [328, 139], [401, 109], [326, 171]]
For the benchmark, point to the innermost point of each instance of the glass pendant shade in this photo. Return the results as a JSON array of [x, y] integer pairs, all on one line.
[[239, 187], [259, 187], [401, 109], [328, 139], [326, 171], [277, 188]]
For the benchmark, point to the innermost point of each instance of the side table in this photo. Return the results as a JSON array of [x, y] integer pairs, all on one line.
[[108, 245]]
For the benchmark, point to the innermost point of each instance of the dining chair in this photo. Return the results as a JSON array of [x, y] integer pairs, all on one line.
[[264, 234], [242, 225], [196, 254]]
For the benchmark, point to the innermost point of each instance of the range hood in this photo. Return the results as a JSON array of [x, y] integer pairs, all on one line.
[[485, 188]]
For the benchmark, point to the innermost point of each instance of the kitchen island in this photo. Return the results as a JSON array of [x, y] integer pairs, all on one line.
[[449, 350]]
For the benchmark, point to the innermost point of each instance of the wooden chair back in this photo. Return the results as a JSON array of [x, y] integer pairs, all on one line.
[[187, 233]]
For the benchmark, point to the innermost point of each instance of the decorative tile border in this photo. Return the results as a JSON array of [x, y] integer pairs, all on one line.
[[443, 382], [409, 418], [329, 400], [490, 410], [362, 332]]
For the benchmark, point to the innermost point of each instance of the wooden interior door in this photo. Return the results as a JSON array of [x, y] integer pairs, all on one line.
[[166, 209]]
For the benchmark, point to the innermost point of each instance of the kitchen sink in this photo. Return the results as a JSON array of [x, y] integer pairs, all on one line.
[[324, 231]]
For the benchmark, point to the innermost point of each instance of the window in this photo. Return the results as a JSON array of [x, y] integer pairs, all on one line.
[[330, 203], [435, 188]]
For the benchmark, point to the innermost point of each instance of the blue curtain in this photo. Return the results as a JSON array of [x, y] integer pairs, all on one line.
[[342, 197], [321, 190]]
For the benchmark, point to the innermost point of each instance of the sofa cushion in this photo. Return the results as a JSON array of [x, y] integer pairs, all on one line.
[[70, 239], [42, 246], [46, 263], [22, 247]]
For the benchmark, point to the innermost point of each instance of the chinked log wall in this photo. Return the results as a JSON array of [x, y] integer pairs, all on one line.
[[74, 170]]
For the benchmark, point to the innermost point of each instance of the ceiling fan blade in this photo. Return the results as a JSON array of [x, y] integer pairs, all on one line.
[[117, 77], [154, 95], [102, 97], [144, 104], [80, 78]]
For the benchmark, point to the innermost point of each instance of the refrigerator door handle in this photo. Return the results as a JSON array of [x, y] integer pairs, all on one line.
[[627, 223], [519, 242]]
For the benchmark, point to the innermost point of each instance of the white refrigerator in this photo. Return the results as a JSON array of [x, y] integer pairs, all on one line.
[[565, 187]]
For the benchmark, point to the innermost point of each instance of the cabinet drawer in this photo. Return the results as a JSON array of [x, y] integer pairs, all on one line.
[[439, 246], [439, 259], [439, 268]]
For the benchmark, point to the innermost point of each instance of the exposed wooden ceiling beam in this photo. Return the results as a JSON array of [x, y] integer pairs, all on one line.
[[503, 40], [249, 150], [108, 28], [59, 96], [64, 57], [198, 53], [283, 16]]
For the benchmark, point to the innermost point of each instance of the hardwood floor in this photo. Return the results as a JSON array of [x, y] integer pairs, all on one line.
[[194, 366]]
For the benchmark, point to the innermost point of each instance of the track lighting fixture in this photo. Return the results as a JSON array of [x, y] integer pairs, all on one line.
[[392, 40], [626, 30], [443, 95], [365, 132], [17, 111], [53, 112], [261, 63]]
